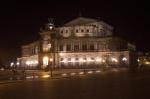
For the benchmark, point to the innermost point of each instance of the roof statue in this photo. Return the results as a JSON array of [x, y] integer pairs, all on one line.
[[50, 23]]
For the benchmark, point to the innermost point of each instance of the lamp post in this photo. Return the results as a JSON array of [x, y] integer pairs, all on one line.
[[11, 64], [47, 35], [51, 71]]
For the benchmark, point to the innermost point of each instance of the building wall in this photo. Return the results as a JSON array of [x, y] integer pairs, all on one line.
[[31, 49], [92, 44]]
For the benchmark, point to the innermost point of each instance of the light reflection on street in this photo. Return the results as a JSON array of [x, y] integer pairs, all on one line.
[[119, 85], [46, 75]]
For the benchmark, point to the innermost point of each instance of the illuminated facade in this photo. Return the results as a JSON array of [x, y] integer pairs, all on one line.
[[80, 43]]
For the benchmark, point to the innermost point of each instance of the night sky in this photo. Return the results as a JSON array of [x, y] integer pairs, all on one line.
[[20, 21]]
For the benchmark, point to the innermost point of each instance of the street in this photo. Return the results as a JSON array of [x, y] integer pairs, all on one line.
[[104, 85]]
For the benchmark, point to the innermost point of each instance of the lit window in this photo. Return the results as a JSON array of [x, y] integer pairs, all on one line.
[[27, 62], [61, 54], [124, 59], [45, 49], [49, 45], [114, 59], [45, 61], [98, 59], [50, 59]]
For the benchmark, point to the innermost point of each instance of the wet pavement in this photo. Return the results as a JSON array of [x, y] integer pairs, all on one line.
[[102, 85]]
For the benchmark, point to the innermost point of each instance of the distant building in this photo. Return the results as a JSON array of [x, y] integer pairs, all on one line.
[[144, 59], [80, 43]]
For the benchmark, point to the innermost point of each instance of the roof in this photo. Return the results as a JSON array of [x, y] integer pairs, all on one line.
[[80, 21]]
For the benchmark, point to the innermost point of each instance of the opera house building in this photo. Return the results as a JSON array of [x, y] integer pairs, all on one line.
[[80, 43]]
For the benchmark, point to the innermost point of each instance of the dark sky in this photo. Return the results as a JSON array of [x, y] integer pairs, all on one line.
[[20, 21]]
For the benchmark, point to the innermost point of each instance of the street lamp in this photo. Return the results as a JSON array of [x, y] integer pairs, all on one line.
[[12, 64]]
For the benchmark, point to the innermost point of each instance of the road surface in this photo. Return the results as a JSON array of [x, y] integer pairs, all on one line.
[[105, 85]]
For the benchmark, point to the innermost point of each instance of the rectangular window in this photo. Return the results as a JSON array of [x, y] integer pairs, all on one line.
[[61, 47], [76, 47], [68, 47], [92, 47], [76, 64], [69, 64], [32, 50], [61, 59], [77, 31], [45, 50], [84, 59], [76, 59], [36, 50], [62, 65], [84, 47], [39, 49], [69, 59], [92, 59]]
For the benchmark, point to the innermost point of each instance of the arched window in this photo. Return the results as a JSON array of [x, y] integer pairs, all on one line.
[[77, 30], [82, 30], [66, 31], [91, 47], [87, 30], [61, 32]]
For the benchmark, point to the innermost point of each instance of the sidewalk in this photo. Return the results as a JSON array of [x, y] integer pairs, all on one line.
[[56, 74], [9, 81]]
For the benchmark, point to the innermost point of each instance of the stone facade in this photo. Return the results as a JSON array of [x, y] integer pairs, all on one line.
[[80, 43]]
